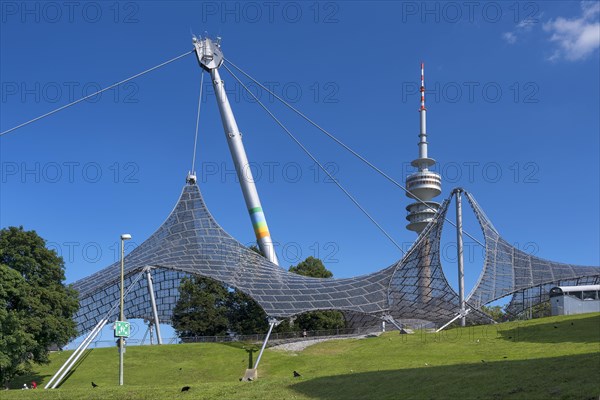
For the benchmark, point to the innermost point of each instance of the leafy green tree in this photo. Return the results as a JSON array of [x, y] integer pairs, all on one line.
[[540, 310], [312, 267], [207, 307], [321, 320], [496, 312], [287, 325], [255, 249], [245, 316], [201, 309], [36, 308], [317, 320]]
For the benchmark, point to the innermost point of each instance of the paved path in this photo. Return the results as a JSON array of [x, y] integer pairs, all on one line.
[[301, 345]]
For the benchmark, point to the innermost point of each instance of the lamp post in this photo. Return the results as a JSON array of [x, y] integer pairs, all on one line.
[[124, 237]]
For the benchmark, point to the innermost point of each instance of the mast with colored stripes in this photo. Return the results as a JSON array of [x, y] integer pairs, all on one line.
[[210, 58]]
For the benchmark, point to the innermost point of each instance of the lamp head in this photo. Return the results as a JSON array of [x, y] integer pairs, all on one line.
[[125, 236]]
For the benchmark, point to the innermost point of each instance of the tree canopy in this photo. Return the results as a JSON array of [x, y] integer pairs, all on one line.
[[207, 307], [36, 308], [317, 320], [312, 267], [201, 309], [210, 308]]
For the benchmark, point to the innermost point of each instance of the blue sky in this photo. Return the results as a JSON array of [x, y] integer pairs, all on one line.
[[512, 98]]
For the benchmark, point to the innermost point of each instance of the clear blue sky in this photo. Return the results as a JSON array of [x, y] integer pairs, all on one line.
[[513, 100]]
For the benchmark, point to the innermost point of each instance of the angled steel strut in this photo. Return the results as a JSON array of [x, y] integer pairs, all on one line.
[[210, 58]]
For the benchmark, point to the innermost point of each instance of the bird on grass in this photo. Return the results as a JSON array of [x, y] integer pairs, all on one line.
[[94, 385], [185, 388], [296, 374]]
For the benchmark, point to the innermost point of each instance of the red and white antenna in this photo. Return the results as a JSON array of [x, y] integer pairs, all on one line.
[[422, 86]]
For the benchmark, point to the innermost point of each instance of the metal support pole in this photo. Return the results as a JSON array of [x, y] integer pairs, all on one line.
[[210, 58], [459, 249], [57, 378], [452, 320], [154, 309], [146, 334], [121, 311], [392, 321], [124, 237], [272, 323]]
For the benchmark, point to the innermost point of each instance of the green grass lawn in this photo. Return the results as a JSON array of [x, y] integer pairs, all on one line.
[[548, 358]]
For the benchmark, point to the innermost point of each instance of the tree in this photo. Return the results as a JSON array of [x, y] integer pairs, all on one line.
[[36, 308], [317, 320], [207, 307], [244, 315], [496, 312], [201, 309], [312, 267], [321, 320], [255, 249]]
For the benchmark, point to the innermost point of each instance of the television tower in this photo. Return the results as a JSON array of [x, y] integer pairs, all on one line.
[[424, 184]]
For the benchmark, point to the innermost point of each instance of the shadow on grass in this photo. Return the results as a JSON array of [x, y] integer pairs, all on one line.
[[559, 377], [17, 383], [584, 330], [41, 380], [77, 364]]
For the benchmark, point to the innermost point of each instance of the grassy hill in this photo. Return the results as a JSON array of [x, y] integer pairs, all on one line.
[[557, 357]]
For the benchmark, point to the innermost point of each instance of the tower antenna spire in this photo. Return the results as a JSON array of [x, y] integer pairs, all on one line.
[[422, 86]]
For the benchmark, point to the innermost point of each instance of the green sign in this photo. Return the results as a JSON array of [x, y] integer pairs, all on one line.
[[122, 329]]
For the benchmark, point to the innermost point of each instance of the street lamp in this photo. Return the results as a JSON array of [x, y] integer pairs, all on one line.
[[124, 237]]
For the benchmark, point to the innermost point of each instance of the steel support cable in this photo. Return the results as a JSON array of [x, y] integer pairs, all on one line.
[[95, 93], [308, 153], [342, 144], [197, 124], [129, 289]]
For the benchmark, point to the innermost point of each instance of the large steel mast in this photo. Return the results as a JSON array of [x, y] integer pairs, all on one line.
[[210, 59]]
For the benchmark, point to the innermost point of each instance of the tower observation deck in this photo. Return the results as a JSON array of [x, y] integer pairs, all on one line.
[[424, 184]]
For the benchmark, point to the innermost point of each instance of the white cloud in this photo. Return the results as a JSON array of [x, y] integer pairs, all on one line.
[[527, 24], [576, 38], [523, 26], [510, 37]]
